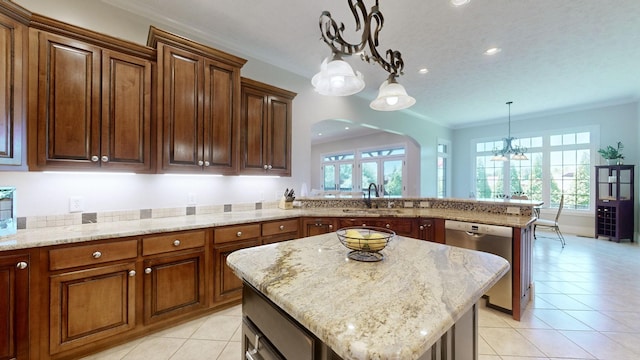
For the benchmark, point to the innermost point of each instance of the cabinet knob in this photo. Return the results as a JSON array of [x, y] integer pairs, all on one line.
[[364, 224], [21, 265], [104, 158], [200, 163], [95, 158], [206, 163], [330, 226], [97, 255], [281, 227], [421, 227], [132, 273], [388, 226], [266, 166], [269, 167], [176, 242], [239, 233], [147, 271]]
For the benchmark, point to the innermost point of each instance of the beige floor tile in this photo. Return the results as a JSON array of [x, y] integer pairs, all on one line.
[[182, 331], [484, 348], [489, 357], [221, 327], [199, 349], [599, 321], [630, 319], [115, 353], [509, 342], [629, 340], [527, 321], [563, 302], [560, 320], [154, 348], [491, 318], [232, 351], [601, 346], [553, 343]]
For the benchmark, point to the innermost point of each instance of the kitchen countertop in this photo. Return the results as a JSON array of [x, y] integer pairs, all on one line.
[[393, 309], [49, 236]]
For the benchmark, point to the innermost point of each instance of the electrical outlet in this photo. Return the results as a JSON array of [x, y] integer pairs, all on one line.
[[191, 199], [425, 204], [76, 204], [513, 210]]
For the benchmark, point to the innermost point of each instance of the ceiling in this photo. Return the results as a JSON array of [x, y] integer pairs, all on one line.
[[556, 55]]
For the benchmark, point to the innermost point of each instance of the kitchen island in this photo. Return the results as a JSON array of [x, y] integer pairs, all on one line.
[[403, 307]]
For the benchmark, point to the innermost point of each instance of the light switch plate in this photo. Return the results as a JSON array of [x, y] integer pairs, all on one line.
[[76, 204]]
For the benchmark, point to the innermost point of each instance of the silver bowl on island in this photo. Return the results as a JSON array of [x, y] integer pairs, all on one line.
[[365, 242]]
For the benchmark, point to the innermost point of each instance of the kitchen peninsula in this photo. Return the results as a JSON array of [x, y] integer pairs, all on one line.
[[403, 307]]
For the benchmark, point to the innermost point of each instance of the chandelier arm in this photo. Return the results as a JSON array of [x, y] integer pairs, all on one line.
[[332, 36]]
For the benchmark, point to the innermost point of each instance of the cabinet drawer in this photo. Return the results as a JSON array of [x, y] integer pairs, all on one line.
[[92, 254], [279, 227], [172, 242], [236, 233]]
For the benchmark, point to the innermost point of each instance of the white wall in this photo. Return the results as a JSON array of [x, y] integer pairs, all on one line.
[[46, 193], [368, 141], [616, 123]]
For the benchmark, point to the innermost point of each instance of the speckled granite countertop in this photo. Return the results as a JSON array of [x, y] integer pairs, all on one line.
[[393, 309], [31, 238]]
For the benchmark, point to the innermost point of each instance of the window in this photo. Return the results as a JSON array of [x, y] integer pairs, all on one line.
[[558, 163], [443, 168], [381, 166]]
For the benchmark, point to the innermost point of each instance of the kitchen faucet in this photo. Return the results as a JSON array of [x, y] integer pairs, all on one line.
[[367, 200]]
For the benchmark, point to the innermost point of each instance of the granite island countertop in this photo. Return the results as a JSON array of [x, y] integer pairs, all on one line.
[[32, 238], [393, 309]]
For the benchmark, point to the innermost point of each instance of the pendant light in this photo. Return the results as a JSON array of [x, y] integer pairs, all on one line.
[[516, 151], [392, 96]]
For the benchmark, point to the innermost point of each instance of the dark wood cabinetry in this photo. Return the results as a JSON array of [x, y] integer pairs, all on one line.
[[266, 129], [14, 306], [174, 280], [198, 101], [98, 118], [13, 87], [318, 226], [92, 293], [280, 230], [401, 226], [615, 202]]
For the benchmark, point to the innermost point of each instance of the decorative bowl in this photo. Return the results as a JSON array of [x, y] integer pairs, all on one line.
[[365, 241]]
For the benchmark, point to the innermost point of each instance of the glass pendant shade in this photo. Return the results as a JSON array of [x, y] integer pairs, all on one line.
[[392, 96], [337, 78]]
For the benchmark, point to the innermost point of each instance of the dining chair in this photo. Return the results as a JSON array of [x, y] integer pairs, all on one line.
[[551, 224]]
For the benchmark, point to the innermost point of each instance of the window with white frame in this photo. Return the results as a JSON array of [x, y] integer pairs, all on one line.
[[559, 162], [442, 168], [383, 166]]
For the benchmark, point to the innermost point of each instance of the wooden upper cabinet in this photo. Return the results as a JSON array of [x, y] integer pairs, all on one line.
[[198, 98], [13, 87], [266, 129], [90, 103]]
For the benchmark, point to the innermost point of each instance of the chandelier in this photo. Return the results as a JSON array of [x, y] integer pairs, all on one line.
[[516, 151], [337, 78]]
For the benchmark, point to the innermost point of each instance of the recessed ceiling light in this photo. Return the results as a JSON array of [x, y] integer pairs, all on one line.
[[459, 2], [492, 51], [319, 134], [423, 71], [346, 128]]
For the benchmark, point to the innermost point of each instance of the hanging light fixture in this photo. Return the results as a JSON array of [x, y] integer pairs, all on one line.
[[516, 151], [337, 78]]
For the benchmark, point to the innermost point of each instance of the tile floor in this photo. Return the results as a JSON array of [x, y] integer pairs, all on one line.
[[586, 306]]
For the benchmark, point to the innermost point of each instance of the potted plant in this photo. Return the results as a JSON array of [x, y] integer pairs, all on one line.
[[612, 154]]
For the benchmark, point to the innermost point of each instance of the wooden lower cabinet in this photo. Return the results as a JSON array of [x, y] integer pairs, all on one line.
[[280, 230], [91, 304], [227, 287], [401, 226], [174, 285], [14, 306], [317, 226]]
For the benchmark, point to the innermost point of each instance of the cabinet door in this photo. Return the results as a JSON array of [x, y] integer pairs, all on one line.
[[126, 112], [181, 107], [14, 307], [254, 130], [173, 285], [426, 229], [227, 286], [279, 137], [13, 85], [90, 305], [221, 132], [68, 102], [319, 226], [402, 227]]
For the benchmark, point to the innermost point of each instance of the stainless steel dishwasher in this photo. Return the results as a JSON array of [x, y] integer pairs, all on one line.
[[488, 238]]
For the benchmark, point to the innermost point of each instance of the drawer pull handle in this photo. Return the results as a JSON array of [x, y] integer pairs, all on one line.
[[132, 273], [239, 233], [281, 227], [21, 265], [256, 347], [176, 243], [147, 271], [97, 255]]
